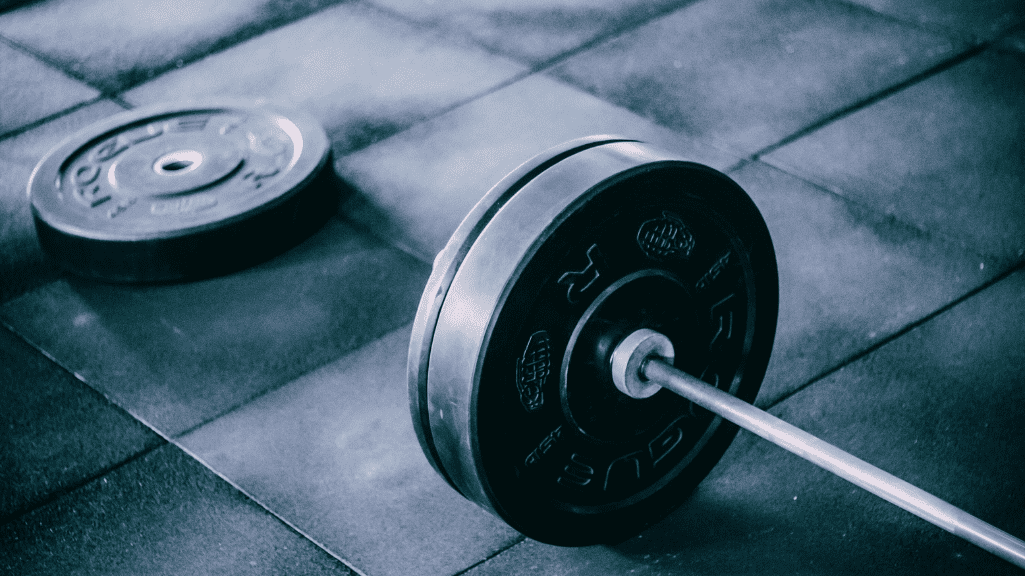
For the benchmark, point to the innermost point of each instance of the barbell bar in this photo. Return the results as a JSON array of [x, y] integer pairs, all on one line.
[[642, 362]]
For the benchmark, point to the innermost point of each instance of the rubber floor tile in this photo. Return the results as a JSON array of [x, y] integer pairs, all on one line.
[[163, 513], [982, 19], [56, 432], [1013, 41], [116, 44], [334, 452], [533, 30], [415, 187], [747, 73], [945, 154], [919, 408], [365, 75], [31, 90], [22, 263], [177, 355], [849, 276]]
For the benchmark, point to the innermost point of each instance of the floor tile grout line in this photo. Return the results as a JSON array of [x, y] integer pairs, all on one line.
[[934, 29], [610, 36], [363, 228], [516, 541], [848, 110], [166, 440], [451, 31], [907, 328], [55, 116], [49, 62], [65, 490], [529, 70], [75, 375], [945, 239], [260, 394], [117, 99], [235, 40], [540, 68], [267, 509]]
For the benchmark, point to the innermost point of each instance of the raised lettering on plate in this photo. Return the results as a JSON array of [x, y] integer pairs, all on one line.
[[666, 441], [535, 456], [577, 473], [665, 237], [256, 177], [151, 132], [532, 370], [192, 123], [109, 149], [578, 282], [85, 175], [623, 470], [120, 208], [92, 195], [722, 321], [714, 271]]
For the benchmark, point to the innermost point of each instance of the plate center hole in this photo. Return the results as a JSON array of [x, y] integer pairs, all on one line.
[[178, 162], [177, 165]]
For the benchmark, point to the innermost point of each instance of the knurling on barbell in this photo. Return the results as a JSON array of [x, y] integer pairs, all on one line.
[[590, 338]]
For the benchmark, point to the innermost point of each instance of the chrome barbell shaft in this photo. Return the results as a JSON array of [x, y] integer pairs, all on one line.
[[850, 468]]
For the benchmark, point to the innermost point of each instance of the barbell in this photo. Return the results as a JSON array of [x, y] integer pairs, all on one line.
[[592, 336]]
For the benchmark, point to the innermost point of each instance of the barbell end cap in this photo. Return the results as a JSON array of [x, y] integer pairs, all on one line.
[[629, 356]]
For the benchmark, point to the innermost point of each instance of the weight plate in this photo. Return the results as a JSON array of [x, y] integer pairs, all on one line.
[[509, 362], [445, 265], [180, 191]]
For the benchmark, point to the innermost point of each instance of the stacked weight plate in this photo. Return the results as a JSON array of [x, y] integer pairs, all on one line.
[[511, 397]]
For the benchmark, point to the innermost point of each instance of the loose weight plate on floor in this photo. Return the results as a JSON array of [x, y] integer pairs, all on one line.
[[510, 390], [181, 191]]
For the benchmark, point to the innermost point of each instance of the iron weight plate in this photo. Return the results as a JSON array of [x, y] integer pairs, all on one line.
[[181, 191], [522, 417]]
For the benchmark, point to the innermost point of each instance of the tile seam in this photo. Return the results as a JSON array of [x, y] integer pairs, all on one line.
[[55, 116], [944, 238], [613, 34], [459, 33], [935, 29], [50, 63], [515, 542], [907, 328], [268, 510], [386, 240], [529, 69], [65, 490], [166, 440], [218, 45], [866, 102], [276, 387]]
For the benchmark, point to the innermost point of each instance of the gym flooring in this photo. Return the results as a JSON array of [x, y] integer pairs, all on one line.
[[258, 422]]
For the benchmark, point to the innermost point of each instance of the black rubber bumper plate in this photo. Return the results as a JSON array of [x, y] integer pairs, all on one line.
[[182, 191]]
